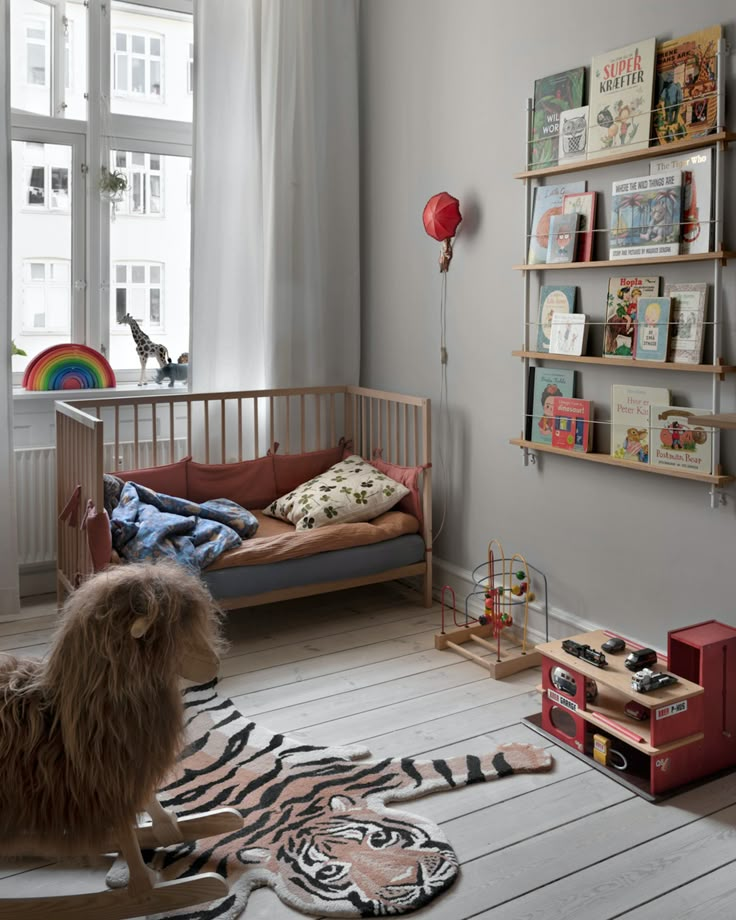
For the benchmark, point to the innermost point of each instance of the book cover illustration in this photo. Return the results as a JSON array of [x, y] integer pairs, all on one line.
[[552, 96], [686, 102], [572, 424], [553, 298], [568, 334], [653, 328], [544, 385], [689, 302], [678, 444], [563, 230], [630, 420], [573, 137], [645, 216], [696, 227], [619, 335], [621, 89], [583, 204], [547, 203]]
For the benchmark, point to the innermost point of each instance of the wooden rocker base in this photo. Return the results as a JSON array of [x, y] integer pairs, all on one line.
[[511, 660]]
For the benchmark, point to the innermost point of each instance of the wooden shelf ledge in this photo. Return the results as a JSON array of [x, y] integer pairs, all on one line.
[[629, 156], [712, 479], [720, 255], [724, 420], [718, 369]]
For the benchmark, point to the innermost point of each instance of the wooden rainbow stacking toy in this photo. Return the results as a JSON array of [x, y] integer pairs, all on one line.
[[68, 367]]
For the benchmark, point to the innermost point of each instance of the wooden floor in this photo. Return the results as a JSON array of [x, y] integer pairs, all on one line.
[[360, 666]]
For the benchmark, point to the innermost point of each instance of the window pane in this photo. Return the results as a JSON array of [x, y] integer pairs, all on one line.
[[37, 53], [37, 186], [150, 259], [121, 73], [155, 194], [159, 71], [138, 159], [38, 271], [121, 41], [120, 303], [60, 189]]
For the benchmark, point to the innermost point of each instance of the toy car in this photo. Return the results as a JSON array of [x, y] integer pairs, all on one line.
[[614, 644], [585, 652], [566, 683], [636, 711], [640, 658], [646, 680]]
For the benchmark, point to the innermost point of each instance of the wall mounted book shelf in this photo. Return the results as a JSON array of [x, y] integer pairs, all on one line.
[[718, 369]]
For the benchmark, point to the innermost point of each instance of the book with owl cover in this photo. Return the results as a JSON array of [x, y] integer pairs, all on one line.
[[547, 203], [630, 420], [621, 90], [645, 216], [553, 298], [552, 96], [676, 443], [573, 140], [544, 385], [685, 99]]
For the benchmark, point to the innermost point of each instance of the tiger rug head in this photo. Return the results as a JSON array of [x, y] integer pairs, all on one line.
[[316, 824]]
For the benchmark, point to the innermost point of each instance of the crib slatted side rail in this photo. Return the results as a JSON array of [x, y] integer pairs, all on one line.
[[79, 462]]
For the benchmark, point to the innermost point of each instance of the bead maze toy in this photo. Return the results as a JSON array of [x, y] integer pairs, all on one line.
[[505, 584]]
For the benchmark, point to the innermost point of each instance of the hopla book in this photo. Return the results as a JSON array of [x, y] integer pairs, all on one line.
[[552, 96], [676, 443], [553, 299], [645, 216], [544, 385], [696, 226], [547, 203], [624, 291], [572, 424], [652, 328], [630, 420], [563, 230], [689, 302], [621, 88], [583, 204], [686, 101]]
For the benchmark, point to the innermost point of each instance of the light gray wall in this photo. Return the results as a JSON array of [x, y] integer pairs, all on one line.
[[444, 89]]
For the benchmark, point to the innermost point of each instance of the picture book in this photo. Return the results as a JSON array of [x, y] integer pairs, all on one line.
[[573, 139], [696, 226], [553, 299], [563, 230], [583, 204], [547, 203], [552, 95], [630, 420], [544, 385], [653, 328], [572, 426], [678, 444], [645, 216], [619, 335], [685, 102], [689, 302], [621, 89], [568, 335]]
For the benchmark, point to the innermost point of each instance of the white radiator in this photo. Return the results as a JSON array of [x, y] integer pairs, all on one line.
[[35, 487]]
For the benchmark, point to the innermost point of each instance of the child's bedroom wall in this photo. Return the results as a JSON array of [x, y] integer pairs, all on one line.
[[444, 90]]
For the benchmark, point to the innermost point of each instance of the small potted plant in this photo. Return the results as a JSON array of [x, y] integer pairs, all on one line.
[[113, 185]]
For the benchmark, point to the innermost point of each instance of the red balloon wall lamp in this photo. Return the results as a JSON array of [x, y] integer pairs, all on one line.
[[441, 217]]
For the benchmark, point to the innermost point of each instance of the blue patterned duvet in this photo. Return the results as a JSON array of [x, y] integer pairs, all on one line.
[[150, 525]]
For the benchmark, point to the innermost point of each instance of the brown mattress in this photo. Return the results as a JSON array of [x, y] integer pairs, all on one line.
[[276, 540]]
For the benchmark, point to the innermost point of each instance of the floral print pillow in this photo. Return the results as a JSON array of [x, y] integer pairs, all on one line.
[[351, 490]]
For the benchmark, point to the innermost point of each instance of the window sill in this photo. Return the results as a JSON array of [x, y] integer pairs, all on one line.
[[123, 389]]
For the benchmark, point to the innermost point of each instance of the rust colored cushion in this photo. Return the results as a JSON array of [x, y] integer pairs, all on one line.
[[408, 476], [170, 479], [249, 483], [292, 470], [99, 537]]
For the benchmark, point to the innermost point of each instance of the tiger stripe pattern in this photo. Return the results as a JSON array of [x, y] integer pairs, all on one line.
[[316, 824]]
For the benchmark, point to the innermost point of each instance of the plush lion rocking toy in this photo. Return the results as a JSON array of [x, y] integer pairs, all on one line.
[[88, 734]]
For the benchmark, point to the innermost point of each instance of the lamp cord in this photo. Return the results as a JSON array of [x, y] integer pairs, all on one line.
[[444, 413]]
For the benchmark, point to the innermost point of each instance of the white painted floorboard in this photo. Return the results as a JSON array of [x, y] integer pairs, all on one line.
[[361, 667]]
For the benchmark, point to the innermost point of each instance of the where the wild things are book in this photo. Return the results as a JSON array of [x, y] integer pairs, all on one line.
[[686, 101], [552, 96], [621, 88], [645, 216], [624, 291], [676, 442], [630, 420]]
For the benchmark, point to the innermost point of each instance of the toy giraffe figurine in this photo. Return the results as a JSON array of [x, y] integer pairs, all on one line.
[[145, 347]]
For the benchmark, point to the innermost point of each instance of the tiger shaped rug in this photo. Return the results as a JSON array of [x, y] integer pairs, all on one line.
[[317, 829]]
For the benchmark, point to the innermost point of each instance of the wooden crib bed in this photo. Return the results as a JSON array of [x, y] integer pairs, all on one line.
[[154, 429]]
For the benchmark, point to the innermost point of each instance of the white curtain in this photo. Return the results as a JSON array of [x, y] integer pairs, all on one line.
[[275, 251], [9, 591]]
